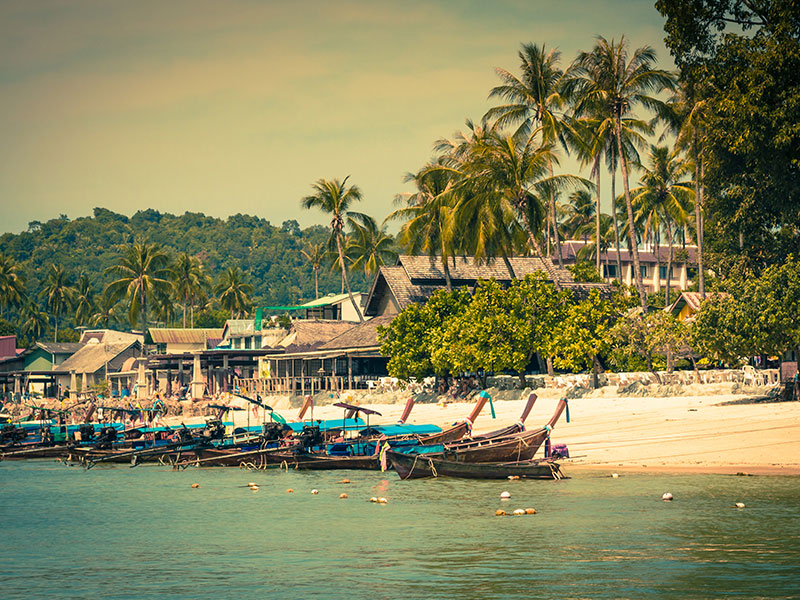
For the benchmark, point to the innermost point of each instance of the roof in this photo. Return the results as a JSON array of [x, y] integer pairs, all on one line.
[[94, 356], [110, 336], [693, 300], [184, 336], [361, 335], [416, 278], [238, 327], [310, 334], [570, 249], [59, 348], [329, 300]]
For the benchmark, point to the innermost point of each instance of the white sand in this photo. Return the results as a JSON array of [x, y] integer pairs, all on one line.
[[685, 433]]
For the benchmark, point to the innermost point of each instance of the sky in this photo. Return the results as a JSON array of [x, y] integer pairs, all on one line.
[[239, 106]]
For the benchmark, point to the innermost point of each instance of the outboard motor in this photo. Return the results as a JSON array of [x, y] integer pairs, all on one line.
[[183, 435], [87, 432], [105, 438], [214, 430], [273, 432], [11, 434], [310, 436]]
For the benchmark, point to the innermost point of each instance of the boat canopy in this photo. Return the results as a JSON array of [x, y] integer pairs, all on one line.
[[361, 409], [348, 424], [398, 429]]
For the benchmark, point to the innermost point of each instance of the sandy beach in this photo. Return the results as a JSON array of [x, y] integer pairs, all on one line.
[[708, 430]]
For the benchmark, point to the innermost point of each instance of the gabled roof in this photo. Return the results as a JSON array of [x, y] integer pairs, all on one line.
[[238, 327], [59, 348], [693, 300], [570, 249], [184, 336], [329, 300], [310, 334], [94, 356], [416, 278], [361, 335]]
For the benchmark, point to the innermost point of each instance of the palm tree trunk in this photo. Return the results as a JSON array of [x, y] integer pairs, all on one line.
[[556, 239], [447, 280], [614, 216], [597, 214], [185, 302], [698, 215], [631, 235], [344, 277], [316, 283], [56, 328], [508, 266], [669, 264]]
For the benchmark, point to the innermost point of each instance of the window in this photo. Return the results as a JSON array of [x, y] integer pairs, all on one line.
[[662, 273], [609, 271], [247, 342], [643, 270]]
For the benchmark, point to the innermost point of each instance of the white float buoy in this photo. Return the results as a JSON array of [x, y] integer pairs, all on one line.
[[251, 484], [739, 505], [505, 496], [519, 511], [373, 499], [383, 501], [342, 495], [615, 475], [666, 497], [315, 491]]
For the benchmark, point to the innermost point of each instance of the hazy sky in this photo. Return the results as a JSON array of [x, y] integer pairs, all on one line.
[[238, 106]]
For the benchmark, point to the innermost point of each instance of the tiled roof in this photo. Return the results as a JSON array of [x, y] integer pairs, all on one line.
[[306, 335], [184, 336], [570, 249], [93, 356], [362, 335], [59, 348]]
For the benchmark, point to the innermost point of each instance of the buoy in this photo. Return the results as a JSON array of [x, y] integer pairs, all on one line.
[[505, 496], [513, 477], [195, 485], [344, 481], [342, 495], [252, 483], [666, 497], [253, 487], [530, 511], [615, 475], [315, 491], [499, 513], [740, 505], [383, 501], [373, 499], [289, 491], [519, 511]]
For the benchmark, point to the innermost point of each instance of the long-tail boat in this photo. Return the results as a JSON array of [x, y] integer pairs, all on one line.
[[415, 466]]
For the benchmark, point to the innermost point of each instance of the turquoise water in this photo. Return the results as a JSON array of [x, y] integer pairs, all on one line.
[[116, 532]]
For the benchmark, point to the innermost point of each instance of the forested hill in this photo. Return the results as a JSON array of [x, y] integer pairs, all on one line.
[[269, 255]]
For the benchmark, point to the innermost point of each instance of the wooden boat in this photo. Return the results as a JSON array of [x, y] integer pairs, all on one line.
[[516, 447], [416, 466], [459, 430], [323, 462]]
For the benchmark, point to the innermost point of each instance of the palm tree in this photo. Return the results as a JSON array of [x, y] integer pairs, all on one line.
[[535, 101], [428, 215], [58, 293], [141, 271], [664, 200], [369, 246], [106, 310], [581, 213], [233, 292], [189, 282], [684, 115], [605, 80], [12, 289], [84, 300], [34, 321], [589, 251], [335, 198], [315, 255]]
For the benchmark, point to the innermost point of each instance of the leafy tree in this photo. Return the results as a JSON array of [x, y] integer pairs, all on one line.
[[190, 282], [409, 340], [34, 321], [84, 300], [141, 272], [12, 289], [315, 255], [234, 292], [335, 198], [58, 293], [584, 272], [368, 245], [583, 335]]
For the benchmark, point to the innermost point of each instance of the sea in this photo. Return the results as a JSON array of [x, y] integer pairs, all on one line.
[[116, 532]]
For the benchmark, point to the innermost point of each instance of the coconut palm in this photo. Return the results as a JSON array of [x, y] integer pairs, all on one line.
[[590, 251], [233, 291], [664, 200], [368, 245], [141, 271], [535, 101], [427, 215], [106, 311], [84, 300], [581, 214], [608, 81], [12, 288], [315, 255], [58, 293], [335, 198], [34, 321], [189, 282]]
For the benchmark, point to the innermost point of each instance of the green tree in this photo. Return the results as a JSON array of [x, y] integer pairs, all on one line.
[[190, 282], [141, 271], [234, 292], [12, 288], [335, 198], [581, 215], [84, 300], [58, 293], [369, 246], [607, 77], [315, 255], [34, 321], [583, 336]]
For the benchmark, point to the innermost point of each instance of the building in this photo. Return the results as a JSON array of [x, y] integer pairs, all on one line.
[[687, 304], [416, 278], [333, 307], [45, 356], [170, 341], [94, 362], [652, 264]]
